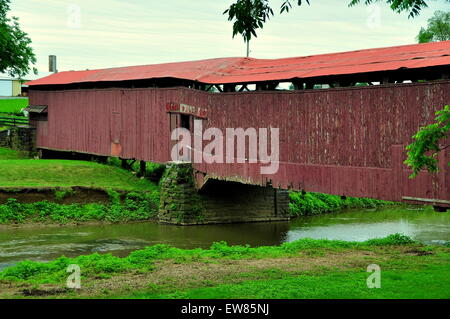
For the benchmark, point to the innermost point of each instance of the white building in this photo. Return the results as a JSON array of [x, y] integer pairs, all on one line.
[[10, 86]]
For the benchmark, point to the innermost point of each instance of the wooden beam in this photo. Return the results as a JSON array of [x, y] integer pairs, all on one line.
[[142, 168], [244, 87], [386, 80], [309, 86], [229, 88], [426, 200], [298, 85], [259, 86], [272, 86]]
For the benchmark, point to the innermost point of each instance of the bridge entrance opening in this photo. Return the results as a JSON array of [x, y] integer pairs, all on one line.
[[185, 121], [177, 121]]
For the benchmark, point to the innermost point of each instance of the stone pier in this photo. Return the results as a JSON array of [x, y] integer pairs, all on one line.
[[21, 139], [217, 202]]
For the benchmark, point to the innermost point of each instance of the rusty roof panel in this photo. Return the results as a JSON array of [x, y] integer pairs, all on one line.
[[37, 109], [240, 70]]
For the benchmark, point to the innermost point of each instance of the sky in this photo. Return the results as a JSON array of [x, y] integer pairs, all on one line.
[[93, 34]]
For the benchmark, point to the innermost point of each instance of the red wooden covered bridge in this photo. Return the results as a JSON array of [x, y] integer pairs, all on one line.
[[343, 125]]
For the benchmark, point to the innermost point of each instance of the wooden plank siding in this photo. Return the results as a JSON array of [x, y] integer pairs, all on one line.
[[345, 141]]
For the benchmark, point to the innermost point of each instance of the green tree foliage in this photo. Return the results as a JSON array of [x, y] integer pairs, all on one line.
[[250, 15], [412, 6], [16, 54], [438, 28], [427, 144]]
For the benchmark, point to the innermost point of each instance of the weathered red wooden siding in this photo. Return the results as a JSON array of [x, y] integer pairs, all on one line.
[[347, 141], [342, 141], [88, 121]]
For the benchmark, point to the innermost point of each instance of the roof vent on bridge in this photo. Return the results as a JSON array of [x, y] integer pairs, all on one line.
[[37, 109]]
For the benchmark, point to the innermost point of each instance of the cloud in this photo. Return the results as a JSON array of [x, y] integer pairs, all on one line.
[[117, 33]]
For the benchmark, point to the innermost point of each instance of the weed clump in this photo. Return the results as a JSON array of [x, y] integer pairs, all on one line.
[[135, 207], [303, 204], [105, 265]]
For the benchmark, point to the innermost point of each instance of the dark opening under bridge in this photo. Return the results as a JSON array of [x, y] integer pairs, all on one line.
[[335, 137]]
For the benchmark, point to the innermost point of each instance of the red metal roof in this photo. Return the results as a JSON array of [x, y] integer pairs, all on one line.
[[241, 70]]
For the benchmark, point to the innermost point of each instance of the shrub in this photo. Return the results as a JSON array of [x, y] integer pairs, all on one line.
[[302, 204], [114, 196], [136, 207], [97, 265], [153, 171], [394, 239], [61, 194]]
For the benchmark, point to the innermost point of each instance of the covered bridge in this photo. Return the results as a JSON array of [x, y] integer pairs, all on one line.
[[343, 125]]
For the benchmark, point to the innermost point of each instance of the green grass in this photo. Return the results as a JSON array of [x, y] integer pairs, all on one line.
[[408, 270], [62, 173], [153, 171], [54, 271], [302, 204], [141, 202], [8, 154], [431, 282], [12, 106], [13, 116], [135, 207]]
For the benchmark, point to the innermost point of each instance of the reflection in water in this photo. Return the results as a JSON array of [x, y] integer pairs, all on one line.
[[46, 243], [423, 225]]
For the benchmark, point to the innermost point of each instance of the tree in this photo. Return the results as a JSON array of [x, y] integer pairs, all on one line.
[[438, 28], [16, 54], [427, 144], [412, 6], [251, 15]]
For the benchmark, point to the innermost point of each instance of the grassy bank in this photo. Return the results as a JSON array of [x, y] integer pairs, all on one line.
[[63, 173], [13, 106], [302, 269], [17, 173], [302, 204], [137, 206], [153, 171], [7, 154]]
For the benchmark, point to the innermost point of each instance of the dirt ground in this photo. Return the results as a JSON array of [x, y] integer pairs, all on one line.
[[169, 275]]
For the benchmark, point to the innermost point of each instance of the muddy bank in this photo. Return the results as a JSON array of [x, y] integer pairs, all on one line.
[[302, 269], [60, 195], [42, 225]]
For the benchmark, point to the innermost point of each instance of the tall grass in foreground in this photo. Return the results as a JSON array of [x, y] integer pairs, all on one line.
[[96, 265]]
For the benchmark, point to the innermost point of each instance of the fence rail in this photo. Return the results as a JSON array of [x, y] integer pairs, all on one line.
[[11, 121]]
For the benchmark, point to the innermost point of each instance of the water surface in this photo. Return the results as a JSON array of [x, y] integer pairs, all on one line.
[[46, 243]]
